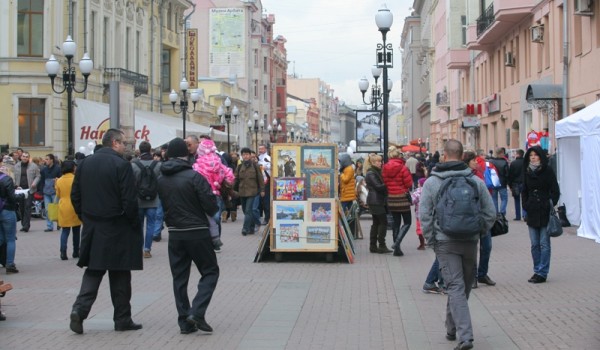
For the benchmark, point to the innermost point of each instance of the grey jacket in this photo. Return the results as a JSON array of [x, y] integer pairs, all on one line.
[[431, 230]]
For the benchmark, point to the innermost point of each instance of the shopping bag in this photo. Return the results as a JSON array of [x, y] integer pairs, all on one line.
[[53, 211]]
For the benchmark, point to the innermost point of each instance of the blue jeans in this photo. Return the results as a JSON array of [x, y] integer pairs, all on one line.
[[485, 249], [49, 198], [256, 209], [8, 234], [217, 216], [64, 238], [247, 204], [150, 214], [540, 250], [503, 199], [160, 216], [434, 273]]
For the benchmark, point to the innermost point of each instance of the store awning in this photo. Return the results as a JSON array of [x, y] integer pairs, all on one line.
[[540, 92]]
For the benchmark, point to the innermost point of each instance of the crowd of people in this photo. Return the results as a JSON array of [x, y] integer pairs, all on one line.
[[194, 189]]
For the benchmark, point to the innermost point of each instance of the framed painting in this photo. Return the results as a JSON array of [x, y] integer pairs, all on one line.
[[289, 189], [321, 184], [285, 210], [320, 236], [322, 210], [318, 157], [368, 131], [288, 234], [286, 161]]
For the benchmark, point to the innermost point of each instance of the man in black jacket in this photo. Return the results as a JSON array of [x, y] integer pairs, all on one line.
[[104, 198], [187, 199], [515, 182], [501, 165]]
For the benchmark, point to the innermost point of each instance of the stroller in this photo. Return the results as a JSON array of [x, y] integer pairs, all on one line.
[[37, 206]]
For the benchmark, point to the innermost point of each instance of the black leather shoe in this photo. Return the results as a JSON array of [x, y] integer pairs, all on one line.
[[474, 285], [486, 280], [76, 324], [451, 337], [199, 322], [188, 330], [537, 279], [130, 326]]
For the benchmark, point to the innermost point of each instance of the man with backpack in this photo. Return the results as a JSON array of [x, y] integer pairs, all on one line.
[[146, 171], [455, 210]]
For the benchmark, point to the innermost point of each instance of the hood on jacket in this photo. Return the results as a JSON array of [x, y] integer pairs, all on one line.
[[345, 160], [174, 165], [540, 152], [451, 168]]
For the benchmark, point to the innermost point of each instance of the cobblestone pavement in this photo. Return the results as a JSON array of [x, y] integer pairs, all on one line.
[[306, 303]]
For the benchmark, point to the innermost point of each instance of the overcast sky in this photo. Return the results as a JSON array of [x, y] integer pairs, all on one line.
[[335, 40]]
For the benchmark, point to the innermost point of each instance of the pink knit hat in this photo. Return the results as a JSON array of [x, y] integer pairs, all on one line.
[[206, 147]]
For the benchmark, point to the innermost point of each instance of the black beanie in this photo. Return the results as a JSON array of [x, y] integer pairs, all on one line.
[[177, 148]]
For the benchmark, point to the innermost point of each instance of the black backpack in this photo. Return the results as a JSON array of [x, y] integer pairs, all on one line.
[[457, 209], [147, 186]]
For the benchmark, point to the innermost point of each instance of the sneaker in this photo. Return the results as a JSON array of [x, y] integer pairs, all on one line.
[[217, 249], [534, 279], [11, 269], [431, 289], [147, 254], [465, 345]]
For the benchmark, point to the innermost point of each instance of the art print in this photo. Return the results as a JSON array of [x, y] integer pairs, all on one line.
[[317, 158], [289, 210], [319, 234], [321, 211], [286, 162], [320, 184], [368, 131], [289, 189], [288, 235]]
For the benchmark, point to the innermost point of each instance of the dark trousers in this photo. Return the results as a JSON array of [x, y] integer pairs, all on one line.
[[26, 211], [120, 293], [266, 202], [181, 255]]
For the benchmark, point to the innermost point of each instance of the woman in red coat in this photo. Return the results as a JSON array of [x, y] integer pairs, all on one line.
[[398, 180]]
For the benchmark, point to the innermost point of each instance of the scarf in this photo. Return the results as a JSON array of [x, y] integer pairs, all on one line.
[[534, 166]]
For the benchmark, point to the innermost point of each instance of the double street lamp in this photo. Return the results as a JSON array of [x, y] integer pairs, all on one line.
[[256, 125], [276, 128], [226, 115], [69, 48], [376, 98], [384, 54], [183, 103]]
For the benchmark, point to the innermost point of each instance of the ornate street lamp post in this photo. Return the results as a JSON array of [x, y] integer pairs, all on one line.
[[376, 98], [226, 115], [183, 103], [256, 126], [275, 129], [384, 20], [69, 48]]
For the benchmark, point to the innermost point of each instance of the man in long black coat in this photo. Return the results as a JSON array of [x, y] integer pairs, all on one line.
[[104, 198]]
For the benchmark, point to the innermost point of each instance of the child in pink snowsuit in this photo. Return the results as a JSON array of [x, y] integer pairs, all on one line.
[[215, 172], [416, 197]]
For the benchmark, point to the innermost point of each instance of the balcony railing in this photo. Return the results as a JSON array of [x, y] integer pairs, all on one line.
[[485, 20], [139, 81]]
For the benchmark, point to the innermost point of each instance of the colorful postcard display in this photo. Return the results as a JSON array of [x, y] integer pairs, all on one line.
[[289, 189], [305, 215]]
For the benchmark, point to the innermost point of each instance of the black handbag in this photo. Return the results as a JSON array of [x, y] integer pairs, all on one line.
[[500, 225], [554, 227]]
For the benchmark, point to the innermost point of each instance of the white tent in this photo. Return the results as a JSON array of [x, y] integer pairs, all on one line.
[[91, 118], [578, 138]]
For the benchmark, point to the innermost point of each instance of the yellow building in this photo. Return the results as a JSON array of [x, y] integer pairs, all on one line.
[[134, 42]]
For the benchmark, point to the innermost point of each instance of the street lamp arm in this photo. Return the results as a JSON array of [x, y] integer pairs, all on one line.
[[54, 89], [85, 83]]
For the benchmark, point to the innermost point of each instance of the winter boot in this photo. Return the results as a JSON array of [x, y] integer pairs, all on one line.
[[233, 216], [224, 216], [381, 233], [403, 230], [421, 243], [373, 239], [63, 255]]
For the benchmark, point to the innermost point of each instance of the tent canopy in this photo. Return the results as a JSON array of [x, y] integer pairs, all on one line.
[[578, 138]]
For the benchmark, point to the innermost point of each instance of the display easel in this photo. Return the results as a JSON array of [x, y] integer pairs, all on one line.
[[305, 213]]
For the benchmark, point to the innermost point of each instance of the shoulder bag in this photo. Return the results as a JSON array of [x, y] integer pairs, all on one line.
[[554, 227]]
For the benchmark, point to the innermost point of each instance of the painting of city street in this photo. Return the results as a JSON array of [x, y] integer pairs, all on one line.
[[288, 235], [318, 234], [368, 131], [289, 189], [289, 211], [317, 157]]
